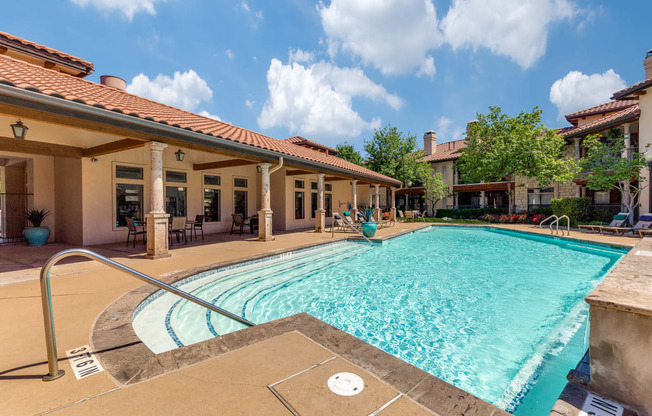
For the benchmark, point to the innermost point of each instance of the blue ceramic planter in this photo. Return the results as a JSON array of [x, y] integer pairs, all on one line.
[[36, 236], [369, 229]]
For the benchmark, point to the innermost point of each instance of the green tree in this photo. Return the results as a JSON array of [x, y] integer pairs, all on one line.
[[436, 189], [499, 146], [346, 151], [610, 165], [395, 155]]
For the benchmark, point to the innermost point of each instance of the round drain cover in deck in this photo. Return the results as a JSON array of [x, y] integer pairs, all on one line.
[[345, 384]]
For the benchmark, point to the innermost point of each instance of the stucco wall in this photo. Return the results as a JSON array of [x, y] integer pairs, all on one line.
[[448, 180], [68, 200], [645, 138]]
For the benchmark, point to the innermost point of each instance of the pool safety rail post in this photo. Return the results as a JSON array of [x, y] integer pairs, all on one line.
[[46, 300]]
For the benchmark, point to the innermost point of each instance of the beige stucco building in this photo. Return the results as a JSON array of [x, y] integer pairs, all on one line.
[[94, 155]]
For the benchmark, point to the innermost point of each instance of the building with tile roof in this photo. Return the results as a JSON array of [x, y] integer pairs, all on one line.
[[96, 154]]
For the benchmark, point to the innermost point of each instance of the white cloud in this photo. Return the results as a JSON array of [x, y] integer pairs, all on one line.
[[301, 56], [229, 53], [245, 7], [209, 115], [315, 100], [128, 8], [513, 28], [577, 91], [184, 90], [444, 131], [249, 103], [393, 36]]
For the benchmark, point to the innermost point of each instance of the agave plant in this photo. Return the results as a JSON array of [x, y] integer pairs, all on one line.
[[368, 213], [36, 216]]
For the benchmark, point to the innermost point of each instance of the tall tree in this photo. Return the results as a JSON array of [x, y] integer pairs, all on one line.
[[499, 146], [436, 189], [395, 155], [610, 165], [346, 151]]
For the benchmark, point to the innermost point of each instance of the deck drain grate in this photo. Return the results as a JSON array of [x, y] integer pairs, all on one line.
[[345, 384], [597, 406]]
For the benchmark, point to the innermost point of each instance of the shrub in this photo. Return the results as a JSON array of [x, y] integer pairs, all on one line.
[[36, 216], [601, 216], [470, 213], [577, 209]]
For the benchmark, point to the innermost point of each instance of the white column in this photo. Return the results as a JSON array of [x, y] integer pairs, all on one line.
[[578, 156], [627, 153], [392, 211], [265, 213], [378, 214], [354, 199], [482, 199], [157, 219], [320, 212]]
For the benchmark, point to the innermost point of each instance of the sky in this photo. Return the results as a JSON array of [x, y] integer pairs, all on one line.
[[336, 70]]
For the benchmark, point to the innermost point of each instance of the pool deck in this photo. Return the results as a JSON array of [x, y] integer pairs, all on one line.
[[227, 376]]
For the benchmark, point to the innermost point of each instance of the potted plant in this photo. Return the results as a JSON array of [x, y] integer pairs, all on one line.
[[368, 227], [36, 235]]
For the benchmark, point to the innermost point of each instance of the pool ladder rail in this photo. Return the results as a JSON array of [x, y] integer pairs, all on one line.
[[348, 225], [46, 300], [556, 223]]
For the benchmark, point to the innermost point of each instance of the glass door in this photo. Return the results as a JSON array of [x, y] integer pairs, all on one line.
[[240, 202]]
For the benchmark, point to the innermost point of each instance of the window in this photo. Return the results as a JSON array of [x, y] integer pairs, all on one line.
[[212, 198], [239, 182], [299, 184], [328, 202], [175, 201], [299, 198], [313, 203], [177, 177], [240, 202], [128, 194], [601, 198], [128, 172], [313, 186], [540, 198], [328, 187], [129, 203]]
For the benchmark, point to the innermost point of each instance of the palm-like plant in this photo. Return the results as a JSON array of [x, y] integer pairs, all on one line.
[[36, 216]]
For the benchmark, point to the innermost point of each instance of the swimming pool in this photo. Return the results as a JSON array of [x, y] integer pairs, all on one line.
[[481, 308]]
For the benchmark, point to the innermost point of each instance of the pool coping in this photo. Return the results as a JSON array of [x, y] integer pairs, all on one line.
[[126, 358]]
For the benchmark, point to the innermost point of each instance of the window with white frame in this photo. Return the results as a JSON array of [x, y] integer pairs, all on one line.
[[129, 186], [212, 198], [240, 196], [299, 200], [176, 201]]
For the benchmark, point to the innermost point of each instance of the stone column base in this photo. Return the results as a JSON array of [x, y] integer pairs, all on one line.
[[378, 214], [320, 220], [265, 225], [157, 235], [392, 214]]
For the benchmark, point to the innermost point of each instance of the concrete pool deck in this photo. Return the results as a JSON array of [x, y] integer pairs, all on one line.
[[226, 383]]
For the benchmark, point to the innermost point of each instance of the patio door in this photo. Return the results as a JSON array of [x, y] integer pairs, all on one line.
[[240, 202], [175, 201]]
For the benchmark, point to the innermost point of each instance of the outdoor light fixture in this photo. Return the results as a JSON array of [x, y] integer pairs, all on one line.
[[20, 130], [259, 168], [180, 155]]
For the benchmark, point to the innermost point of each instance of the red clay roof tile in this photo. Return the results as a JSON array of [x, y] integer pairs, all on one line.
[[609, 107], [615, 119], [446, 151], [639, 86]]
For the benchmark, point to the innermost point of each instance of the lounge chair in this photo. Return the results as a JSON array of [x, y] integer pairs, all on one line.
[[239, 223], [338, 221], [644, 222], [135, 230], [349, 221], [409, 215], [617, 221], [400, 214]]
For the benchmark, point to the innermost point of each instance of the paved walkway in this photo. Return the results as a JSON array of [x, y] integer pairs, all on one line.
[[233, 384]]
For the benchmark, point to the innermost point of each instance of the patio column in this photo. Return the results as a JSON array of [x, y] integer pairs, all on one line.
[[377, 211], [392, 211], [578, 155], [157, 219], [320, 212], [265, 213], [627, 153], [354, 198]]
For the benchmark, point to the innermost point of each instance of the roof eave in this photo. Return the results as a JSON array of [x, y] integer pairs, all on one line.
[[41, 102]]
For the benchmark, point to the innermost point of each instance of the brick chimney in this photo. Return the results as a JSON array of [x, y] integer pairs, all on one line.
[[647, 64], [430, 142], [113, 82]]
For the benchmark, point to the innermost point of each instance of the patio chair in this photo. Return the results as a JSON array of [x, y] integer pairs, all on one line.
[[198, 223], [135, 230], [239, 223], [617, 221], [409, 215], [644, 222], [338, 221], [178, 227], [349, 221], [400, 214]]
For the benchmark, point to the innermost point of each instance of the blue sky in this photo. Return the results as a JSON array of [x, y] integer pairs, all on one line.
[[334, 70]]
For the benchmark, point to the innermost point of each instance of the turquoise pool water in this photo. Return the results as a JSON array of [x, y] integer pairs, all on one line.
[[492, 312]]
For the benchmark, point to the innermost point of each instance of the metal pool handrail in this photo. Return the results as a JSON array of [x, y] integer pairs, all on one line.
[[46, 300], [350, 226], [556, 222], [542, 222]]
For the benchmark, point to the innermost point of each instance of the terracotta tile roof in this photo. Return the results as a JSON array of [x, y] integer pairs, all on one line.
[[14, 42], [624, 93], [34, 78], [604, 123], [609, 107], [446, 151], [301, 141]]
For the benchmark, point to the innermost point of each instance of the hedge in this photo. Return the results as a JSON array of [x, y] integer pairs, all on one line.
[[577, 209], [469, 213]]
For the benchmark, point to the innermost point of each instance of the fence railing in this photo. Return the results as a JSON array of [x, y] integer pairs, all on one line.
[[13, 207]]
